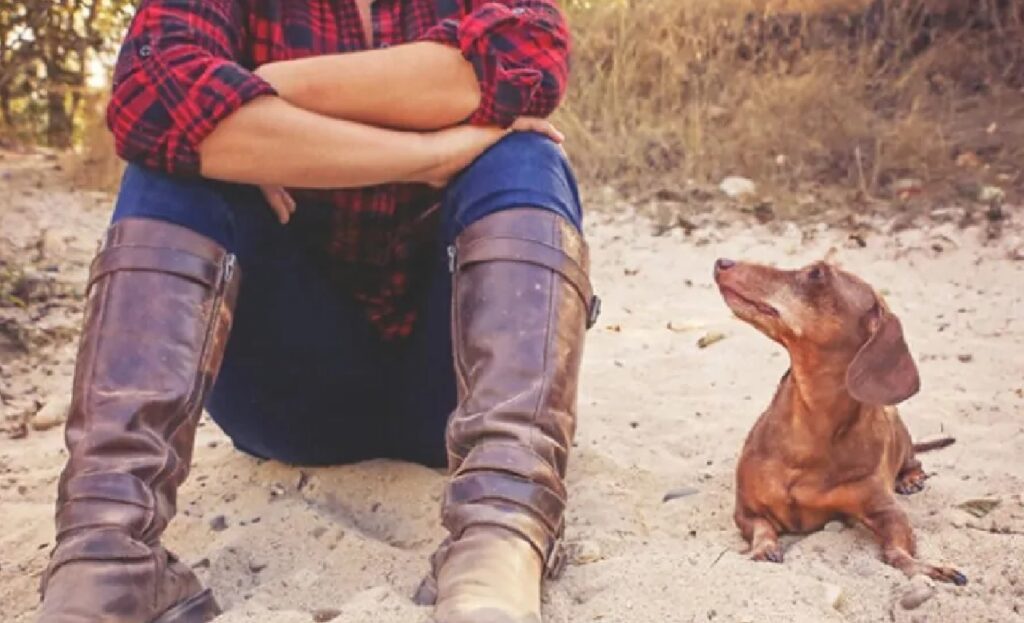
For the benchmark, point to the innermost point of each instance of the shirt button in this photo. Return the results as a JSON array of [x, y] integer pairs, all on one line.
[[518, 11], [145, 51]]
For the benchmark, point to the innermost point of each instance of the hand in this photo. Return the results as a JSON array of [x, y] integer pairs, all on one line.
[[280, 201], [459, 146]]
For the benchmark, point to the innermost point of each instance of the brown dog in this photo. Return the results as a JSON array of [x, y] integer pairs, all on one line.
[[830, 445]]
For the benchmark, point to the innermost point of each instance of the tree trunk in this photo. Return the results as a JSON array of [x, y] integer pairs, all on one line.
[[58, 122]]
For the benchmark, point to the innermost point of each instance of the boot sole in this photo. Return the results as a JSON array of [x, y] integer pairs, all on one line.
[[201, 608]]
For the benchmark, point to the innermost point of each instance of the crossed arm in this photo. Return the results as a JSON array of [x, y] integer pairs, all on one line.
[[354, 119], [335, 121]]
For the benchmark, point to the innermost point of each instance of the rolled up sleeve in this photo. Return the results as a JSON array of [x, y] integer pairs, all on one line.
[[519, 50], [176, 77]]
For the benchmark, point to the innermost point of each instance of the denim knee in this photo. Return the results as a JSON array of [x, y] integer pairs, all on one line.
[[524, 169], [198, 204]]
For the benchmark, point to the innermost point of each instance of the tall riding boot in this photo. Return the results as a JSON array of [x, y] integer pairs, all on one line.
[[159, 310], [522, 303]]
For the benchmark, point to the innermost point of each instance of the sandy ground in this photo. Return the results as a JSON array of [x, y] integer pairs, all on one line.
[[657, 414]]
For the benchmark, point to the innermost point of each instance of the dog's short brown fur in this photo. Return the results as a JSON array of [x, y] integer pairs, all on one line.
[[830, 444]]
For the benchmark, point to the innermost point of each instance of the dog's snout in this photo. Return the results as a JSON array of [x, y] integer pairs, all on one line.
[[724, 264]]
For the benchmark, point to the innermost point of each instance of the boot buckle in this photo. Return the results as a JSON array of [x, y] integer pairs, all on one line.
[[555, 561], [593, 311]]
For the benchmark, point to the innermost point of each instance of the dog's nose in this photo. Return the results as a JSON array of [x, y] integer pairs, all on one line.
[[724, 264]]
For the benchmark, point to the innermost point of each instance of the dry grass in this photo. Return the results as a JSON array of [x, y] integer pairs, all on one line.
[[843, 92], [94, 165]]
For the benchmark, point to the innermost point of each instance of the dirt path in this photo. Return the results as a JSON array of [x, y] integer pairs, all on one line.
[[280, 545]]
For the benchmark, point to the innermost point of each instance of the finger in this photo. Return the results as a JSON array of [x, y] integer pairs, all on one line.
[[289, 201], [275, 196], [540, 126], [281, 210]]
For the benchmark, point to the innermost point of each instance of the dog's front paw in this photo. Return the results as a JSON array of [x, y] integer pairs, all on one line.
[[768, 551]]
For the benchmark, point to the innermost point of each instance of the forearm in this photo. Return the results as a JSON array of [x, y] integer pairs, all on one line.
[[415, 86], [270, 141]]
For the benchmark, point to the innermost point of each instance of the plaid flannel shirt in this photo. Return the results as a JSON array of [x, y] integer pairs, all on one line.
[[186, 64]]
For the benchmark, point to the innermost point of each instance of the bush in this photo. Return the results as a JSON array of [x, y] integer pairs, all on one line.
[[845, 91]]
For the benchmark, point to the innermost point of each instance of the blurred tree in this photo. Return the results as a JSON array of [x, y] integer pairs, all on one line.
[[47, 49]]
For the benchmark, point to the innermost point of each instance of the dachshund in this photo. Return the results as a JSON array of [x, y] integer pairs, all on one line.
[[831, 445]]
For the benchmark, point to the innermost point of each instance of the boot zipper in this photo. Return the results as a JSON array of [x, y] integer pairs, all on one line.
[[452, 258], [229, 267]]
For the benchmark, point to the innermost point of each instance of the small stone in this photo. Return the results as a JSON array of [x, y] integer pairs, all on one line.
[[734, 186], [991, 194], [710, 338], [585, 552], [965, 358], [256, 567], [51, 415], [921, 590], [833, 595], [219, 523], [834, 526], [277, 490], [323, 615]]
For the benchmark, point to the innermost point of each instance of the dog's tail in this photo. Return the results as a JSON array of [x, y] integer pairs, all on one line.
[[936, 444]]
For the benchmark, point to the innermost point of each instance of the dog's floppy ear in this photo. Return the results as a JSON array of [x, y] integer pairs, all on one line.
[[883, 372]]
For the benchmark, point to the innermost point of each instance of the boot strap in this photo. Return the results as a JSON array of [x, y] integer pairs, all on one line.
[[478, 487], [528, 508], [102, 545], [111, 499], [501, 249], [528, 495], [513, 458], [159, 260]]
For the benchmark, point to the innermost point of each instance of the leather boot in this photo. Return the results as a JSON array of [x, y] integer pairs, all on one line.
[[158, 314], [522, 303]]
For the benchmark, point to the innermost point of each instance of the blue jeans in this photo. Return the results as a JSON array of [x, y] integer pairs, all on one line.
[[306, 379]]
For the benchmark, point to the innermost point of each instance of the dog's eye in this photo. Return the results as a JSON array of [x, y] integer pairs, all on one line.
[[815, 274]]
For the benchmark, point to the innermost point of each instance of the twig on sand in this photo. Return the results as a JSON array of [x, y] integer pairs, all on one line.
[[993, 530]]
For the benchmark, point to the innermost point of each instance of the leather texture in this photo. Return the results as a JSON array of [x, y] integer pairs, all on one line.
[[522, 302], [158, 314]]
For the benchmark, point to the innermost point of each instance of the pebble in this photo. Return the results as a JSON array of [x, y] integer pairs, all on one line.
[[586, 552], [991, 194], [734, 186], [834, 526], [921, 590], [324, 615], [51, 415], [710, 338], [219, 523], [833, 595]]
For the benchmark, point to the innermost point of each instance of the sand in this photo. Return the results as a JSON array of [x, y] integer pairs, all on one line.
[[657, 414]]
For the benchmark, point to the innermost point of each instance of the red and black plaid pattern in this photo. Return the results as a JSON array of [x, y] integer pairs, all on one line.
[[185, 65]]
